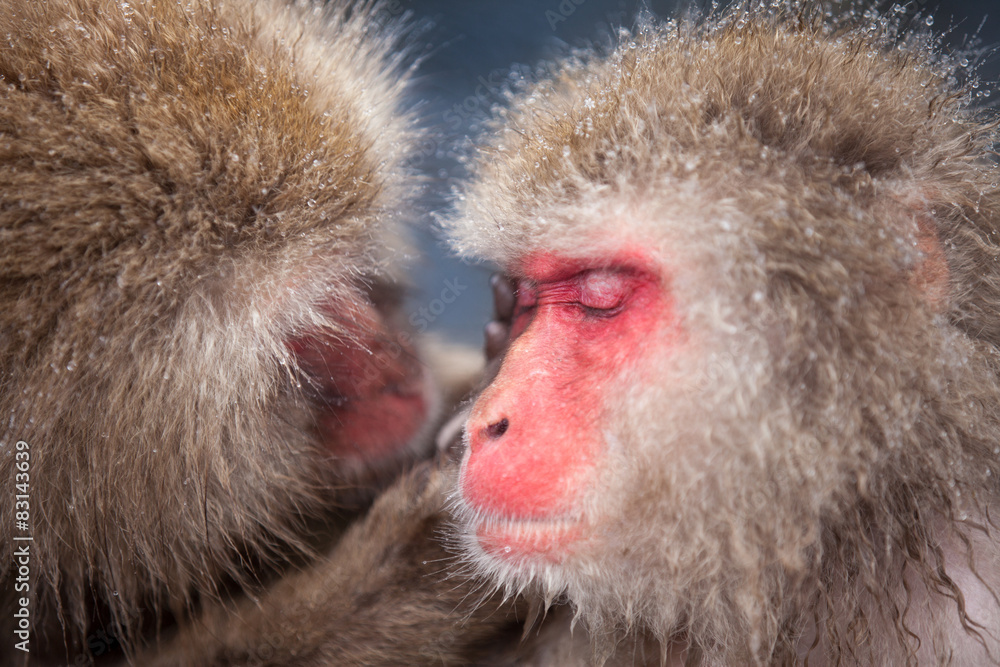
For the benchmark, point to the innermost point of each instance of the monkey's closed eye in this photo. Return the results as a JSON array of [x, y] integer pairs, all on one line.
[[604, 293]]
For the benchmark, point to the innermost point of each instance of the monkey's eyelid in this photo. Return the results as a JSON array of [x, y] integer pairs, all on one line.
[[604, 290], [603, 313]]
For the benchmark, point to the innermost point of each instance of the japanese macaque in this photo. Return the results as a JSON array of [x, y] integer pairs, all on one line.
[[201, 358], [749, 408]]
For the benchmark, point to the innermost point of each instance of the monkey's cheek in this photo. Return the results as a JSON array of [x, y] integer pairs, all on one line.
[[537, 541], [375, 428], [372, 396]]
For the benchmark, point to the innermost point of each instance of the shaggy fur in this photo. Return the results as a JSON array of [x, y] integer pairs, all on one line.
[[817, 473], [183, 185], [404, 607]]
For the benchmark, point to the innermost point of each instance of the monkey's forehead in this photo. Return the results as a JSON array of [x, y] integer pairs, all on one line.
[[746, 97]]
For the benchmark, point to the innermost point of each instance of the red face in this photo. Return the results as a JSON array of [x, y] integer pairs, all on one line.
[[368, 386], [535, 437]]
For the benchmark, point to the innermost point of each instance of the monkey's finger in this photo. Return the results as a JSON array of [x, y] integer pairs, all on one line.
[[497, 335], [503, 297], [449, 440]]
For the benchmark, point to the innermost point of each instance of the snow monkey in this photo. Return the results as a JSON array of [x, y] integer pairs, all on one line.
[[750, 402], [200, 352]]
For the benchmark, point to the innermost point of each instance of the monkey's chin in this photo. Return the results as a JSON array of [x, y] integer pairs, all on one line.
[[520, 540]]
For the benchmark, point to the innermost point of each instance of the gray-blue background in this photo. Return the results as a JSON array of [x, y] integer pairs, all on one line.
[[473, 44]]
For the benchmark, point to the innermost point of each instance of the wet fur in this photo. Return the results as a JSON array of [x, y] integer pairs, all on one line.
[[386, 595], [823, 476], [183, 185]]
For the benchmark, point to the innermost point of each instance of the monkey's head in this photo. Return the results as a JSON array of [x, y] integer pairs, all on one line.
[[754, 330], [200, 206]]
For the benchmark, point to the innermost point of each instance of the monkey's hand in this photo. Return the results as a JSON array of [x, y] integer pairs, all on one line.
[[496, 336], [497, 330], [389, 593]]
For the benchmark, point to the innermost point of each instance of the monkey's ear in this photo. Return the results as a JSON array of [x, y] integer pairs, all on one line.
[[930, 273]]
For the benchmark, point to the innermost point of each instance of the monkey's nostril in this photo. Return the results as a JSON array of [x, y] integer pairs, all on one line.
[[497, 429]]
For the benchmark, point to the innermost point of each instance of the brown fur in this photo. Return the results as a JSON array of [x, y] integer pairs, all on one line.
[[824, 205], [183, 186], [383, 597]]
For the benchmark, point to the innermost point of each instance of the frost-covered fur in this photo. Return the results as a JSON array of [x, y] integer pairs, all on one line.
[[815, 469], [182, 184]]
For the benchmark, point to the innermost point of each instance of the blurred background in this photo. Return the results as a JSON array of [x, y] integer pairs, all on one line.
[[472, 45]]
